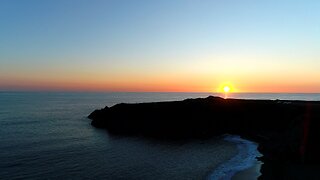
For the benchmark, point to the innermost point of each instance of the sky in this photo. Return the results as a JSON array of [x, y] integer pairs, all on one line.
[[156, 46]]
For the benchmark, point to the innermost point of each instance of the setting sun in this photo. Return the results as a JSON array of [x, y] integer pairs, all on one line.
[[226, 89]]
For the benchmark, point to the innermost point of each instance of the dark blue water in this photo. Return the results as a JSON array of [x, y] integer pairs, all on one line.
[[47, 136]]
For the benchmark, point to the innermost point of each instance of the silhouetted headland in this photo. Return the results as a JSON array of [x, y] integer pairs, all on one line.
[[288, 132]]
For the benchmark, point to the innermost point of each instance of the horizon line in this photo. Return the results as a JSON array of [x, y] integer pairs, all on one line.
[[201, 92]]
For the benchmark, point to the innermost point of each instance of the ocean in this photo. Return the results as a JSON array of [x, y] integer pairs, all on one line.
[[47, 135]]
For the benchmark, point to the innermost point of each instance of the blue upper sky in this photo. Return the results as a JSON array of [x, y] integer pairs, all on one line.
[[51, 41]]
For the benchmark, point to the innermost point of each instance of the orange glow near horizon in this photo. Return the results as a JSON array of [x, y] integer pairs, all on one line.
[[157, 85], [157, 82]]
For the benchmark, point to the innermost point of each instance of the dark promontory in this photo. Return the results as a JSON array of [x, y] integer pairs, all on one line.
[[288, 132]]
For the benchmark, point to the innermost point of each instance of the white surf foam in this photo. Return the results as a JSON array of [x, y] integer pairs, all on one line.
[[246, 158]]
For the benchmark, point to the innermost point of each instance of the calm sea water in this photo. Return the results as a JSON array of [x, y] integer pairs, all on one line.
[[47, 136]]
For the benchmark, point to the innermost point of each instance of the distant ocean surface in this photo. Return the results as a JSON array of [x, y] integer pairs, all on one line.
[[46, 135]]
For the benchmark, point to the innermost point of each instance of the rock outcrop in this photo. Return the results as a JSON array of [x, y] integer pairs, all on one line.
[[287, 131]]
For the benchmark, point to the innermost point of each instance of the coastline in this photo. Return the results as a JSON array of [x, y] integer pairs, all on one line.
[[244, 165], [286, 131], [252, 173]]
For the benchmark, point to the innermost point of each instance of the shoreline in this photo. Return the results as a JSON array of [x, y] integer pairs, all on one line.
[[251, 173], [239, 166]]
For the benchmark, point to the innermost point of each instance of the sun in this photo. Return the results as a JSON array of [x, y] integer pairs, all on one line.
[[226, 89]]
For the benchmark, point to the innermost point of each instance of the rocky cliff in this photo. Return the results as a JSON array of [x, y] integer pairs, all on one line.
[[287, 131]]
